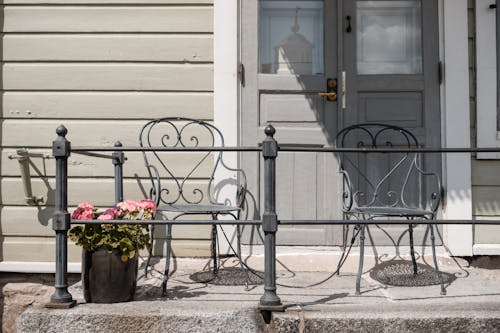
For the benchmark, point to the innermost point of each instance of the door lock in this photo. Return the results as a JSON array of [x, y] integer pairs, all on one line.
[[331, 90]]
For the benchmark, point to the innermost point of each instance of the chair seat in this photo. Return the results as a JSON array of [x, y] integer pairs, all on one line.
[[198, 209], [391, 211]]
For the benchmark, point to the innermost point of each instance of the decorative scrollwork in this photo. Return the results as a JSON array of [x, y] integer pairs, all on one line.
[[190, 185], [381, 179]]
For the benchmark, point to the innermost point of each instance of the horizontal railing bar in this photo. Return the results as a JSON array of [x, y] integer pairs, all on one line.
[[86, 153], [174, 149], [287, 222], [171, 222], [388, 150], [84, 149], [385, 221]]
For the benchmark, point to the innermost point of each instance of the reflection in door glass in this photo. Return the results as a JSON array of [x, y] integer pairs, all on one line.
[[291, 37], [389, 37]]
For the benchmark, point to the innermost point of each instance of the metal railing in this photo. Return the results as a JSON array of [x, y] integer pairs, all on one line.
[[269, 222]]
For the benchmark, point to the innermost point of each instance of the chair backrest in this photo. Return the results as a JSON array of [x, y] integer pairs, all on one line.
[[385, 179], [180, 178]]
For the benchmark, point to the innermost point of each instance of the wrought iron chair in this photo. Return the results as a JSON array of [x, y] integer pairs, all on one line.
[[183, 191], [387, 185]]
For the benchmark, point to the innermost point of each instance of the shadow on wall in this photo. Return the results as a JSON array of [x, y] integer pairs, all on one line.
[[45, 212], [314, 122]]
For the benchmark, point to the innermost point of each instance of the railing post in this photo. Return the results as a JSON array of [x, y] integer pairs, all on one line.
[[270, 300], [118, 160], [61, 221]]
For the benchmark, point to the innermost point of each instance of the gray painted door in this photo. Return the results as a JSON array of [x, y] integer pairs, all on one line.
[[391, 65], [280, 87], [287, 61]]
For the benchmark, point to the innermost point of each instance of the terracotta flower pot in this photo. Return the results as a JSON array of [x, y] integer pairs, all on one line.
[[107, 279]]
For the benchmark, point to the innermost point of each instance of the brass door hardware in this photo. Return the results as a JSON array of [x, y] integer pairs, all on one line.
[[331, 90]]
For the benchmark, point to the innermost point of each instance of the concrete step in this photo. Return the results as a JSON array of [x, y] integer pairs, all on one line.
[[472, 304], [233, 317]]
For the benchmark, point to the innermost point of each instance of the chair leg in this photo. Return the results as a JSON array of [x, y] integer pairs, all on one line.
[[150, 249], [214, 248], [412, 249], [167, 261], [361, 259], [238, 248], [440, 277]]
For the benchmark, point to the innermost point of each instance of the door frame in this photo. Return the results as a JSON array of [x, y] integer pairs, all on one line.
[[454, 105]]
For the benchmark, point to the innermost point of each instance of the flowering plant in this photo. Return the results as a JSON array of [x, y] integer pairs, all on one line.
[[126, 238]]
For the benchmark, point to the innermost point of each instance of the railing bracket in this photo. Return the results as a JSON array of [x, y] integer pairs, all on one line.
[[23, 157]]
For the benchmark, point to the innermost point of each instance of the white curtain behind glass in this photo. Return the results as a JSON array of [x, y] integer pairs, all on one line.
[[389, 37]]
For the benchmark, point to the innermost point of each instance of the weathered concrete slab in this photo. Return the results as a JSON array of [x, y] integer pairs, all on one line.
[[471, 305]]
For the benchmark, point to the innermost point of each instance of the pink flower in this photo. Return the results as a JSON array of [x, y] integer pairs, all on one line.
[[86, 206], [77, 213], [109, 214], [147, 204], [128, 206], [105, 217], [87, 215], [128, 209], [84, 211]]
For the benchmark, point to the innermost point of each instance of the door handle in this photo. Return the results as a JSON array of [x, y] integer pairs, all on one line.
[[331, 96], [331, 90]]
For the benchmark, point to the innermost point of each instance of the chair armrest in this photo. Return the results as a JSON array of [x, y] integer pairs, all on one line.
[[347, 195], [437, 192], [155, 190], [242, 180]]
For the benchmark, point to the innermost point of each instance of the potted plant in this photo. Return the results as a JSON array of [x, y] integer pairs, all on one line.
[[109, 254]]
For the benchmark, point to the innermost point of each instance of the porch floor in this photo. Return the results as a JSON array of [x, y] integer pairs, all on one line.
[[472, 303]]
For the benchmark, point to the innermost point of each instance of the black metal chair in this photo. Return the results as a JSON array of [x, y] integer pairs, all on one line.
[[187, 191], [387, 185]]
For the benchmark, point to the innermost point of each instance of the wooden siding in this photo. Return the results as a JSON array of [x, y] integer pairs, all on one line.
[[85, 166], [108, 47], [486, 199], [101, 68], [105, 105], [485, 173], [98, 2], [83, 132], [486, 187], [107, 77], [99, 19]]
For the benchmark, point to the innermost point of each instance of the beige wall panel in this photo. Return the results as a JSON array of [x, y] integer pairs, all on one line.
[[109, 76], [98, 191], [185, 232], [27, 221], [115, 47], [30, 221], [487, 234], [34, 249], [41, 133], [184, 248], [486, 172], [107, 19], [486, 200], [106, 105], [43, 249], [70, 2], [86, 166]]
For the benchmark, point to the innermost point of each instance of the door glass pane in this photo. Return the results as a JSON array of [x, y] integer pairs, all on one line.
[[291, 37], [389, 37]]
